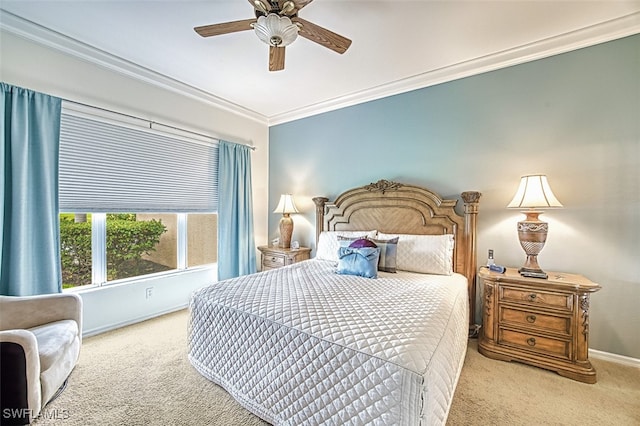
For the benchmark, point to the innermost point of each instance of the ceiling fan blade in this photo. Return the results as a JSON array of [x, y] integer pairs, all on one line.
[[323, 36], [276, 58], [225, 28]]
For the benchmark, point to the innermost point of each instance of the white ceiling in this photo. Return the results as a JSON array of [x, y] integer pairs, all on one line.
[[397, 45]]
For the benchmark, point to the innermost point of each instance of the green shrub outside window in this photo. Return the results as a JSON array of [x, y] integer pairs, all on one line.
[[128, 240]]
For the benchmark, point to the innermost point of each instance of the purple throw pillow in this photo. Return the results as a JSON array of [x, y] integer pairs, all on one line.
[[362, 242]]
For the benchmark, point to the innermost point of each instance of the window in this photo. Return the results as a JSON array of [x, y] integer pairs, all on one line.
[[133, 201], [202, 245], [75, 249], [133, 244]]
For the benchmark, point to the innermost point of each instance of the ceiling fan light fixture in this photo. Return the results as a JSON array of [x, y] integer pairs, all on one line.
[[275, 30]]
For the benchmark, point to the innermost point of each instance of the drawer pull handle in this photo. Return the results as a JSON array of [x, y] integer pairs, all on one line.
[[531, 341], [532, 297], [273, 259], [531, 319]]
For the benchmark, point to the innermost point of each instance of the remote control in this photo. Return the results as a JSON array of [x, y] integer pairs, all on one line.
[[497, 268]]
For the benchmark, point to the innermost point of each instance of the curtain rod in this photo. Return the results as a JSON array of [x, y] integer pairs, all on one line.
[[151, 122]]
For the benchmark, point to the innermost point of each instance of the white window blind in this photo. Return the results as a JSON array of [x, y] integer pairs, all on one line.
[[107, 167]]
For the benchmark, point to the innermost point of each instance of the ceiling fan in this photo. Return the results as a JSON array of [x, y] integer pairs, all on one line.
[[277, 24]]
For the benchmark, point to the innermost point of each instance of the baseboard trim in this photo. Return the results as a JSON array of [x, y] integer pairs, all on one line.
[[110, 327], [618, 359]]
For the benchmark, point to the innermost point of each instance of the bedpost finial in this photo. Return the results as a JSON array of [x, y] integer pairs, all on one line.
[[320, 201], [471, 196], [471, 200]]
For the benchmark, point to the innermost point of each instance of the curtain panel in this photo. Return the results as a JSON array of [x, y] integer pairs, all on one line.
[[29, 151], [236, 243]]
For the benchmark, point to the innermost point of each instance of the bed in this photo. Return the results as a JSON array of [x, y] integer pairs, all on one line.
[[303, 344]]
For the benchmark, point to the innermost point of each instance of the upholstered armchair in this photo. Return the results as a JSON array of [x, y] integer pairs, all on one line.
[[40, 338]]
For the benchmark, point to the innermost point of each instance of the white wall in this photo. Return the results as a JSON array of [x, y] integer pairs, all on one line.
[[43, 69], [117, 305]]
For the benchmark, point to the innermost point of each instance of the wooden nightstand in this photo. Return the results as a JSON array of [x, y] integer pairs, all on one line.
[[275, 257], [540, 322]]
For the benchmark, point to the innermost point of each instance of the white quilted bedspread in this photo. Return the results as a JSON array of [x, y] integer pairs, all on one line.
[[304, 345]]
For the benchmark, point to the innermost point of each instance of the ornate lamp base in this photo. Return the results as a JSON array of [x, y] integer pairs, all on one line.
[[532, 233], [286, 230]]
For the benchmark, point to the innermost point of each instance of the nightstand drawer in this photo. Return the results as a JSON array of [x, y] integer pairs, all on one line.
[[532, 342], [273, 261], [537, 298], [553, 323], [276, 257]]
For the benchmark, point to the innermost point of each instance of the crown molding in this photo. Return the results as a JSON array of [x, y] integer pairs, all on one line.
[[585, 37], [42, 35]]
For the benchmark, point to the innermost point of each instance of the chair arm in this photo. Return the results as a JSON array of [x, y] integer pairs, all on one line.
[[12, 360], [31, 311]]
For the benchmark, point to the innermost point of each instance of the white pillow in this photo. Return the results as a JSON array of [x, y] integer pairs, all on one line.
[[425, 254], [328, 243]]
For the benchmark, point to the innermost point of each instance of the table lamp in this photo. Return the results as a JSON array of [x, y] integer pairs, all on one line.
[[533, 195], [286, 206]]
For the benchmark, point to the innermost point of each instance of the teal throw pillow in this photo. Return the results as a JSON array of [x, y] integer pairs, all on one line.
[[358, 261]]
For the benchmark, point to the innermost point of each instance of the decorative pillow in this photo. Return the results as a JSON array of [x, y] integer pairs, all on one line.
[[362, 242], [388, 254], [426, 254], [328, 242], [347, 241], [358, 261]]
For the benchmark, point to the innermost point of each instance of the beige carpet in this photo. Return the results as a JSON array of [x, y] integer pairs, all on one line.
[[140, 375]]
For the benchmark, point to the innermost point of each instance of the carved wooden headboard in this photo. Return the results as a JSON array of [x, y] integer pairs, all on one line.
[[396, 208]]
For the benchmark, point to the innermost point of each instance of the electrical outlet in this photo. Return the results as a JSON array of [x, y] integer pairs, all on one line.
[[148, 292]]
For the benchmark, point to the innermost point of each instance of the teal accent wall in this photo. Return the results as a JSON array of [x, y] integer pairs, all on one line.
[[574, 117]]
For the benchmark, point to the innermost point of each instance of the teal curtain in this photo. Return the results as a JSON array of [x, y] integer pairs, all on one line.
[[30, 235], [236, 244]]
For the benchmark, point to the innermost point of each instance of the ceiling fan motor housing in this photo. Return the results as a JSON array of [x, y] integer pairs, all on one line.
[[263, 8]]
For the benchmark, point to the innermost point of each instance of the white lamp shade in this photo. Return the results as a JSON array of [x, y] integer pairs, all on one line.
[[276, 30], [534, 193], [286, 205]]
